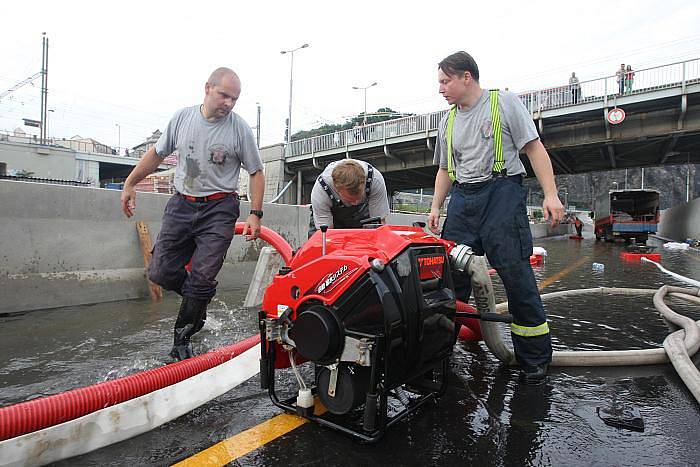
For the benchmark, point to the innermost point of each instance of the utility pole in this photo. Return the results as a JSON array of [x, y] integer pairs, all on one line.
[[44, 86]]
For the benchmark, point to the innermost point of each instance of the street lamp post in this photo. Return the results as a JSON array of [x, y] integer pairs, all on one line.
[[291, 75], [364, 89], [119, 138]]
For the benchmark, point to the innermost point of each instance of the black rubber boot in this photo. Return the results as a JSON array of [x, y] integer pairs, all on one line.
[[534, 375], [190, 319]]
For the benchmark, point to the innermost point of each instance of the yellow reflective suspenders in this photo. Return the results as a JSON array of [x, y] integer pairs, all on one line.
[[498, 162]]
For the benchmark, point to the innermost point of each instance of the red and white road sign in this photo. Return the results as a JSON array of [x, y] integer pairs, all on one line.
[[616, 116]]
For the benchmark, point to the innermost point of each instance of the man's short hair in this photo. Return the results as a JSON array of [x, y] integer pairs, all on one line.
[[458, 63], [218, 74], [349, 175]]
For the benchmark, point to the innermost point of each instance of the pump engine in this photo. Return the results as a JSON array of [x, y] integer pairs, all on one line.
[[373, 310]]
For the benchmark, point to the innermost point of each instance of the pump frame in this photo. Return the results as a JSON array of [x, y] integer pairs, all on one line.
[[375, 420]]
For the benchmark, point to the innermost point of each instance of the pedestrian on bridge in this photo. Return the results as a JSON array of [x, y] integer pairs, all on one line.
[[575, 87], [212, 144], [629, 79], [348, 192], [477, 152], [620, 75]]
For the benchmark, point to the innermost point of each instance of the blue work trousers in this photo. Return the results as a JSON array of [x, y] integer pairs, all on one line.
[[491, 218], [197, 231]]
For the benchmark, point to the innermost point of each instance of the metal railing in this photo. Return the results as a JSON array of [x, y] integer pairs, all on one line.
[[679, 74], [672, 75], [366, 134], [52, 181], [86, 146]]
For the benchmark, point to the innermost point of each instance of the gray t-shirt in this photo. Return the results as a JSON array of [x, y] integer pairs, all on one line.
[[472, 138], [209, 154], [321, 202]]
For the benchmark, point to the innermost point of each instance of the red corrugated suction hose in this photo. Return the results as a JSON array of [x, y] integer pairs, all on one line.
[[36, 414], [471, 328]]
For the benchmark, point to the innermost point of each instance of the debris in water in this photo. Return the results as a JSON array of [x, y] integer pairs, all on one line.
[[621, 417]]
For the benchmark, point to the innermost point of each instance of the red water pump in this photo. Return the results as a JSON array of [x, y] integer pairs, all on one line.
[[374, 311]]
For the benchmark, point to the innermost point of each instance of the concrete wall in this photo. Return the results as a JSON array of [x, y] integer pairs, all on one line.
[[681, 222], [62, 245], [45, 162]]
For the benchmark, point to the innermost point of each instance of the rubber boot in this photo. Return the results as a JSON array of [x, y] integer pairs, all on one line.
[[534, 375], [190, 319]]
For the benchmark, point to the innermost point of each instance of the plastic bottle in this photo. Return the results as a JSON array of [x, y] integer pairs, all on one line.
[[598, 267]]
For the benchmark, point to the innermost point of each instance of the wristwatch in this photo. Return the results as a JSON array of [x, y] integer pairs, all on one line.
[[257, 213]]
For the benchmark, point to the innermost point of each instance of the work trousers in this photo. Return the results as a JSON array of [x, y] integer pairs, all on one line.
[[196, 231], [491, 218]]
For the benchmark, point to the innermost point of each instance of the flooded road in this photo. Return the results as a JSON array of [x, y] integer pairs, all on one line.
[[486, 418]]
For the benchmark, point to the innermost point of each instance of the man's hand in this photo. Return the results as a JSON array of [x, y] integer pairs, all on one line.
[[553, 209], [251, 229], [128, 200], [434, 220]]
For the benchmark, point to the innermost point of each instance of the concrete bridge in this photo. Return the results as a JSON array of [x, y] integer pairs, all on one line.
[[662, 126], [79, 161]]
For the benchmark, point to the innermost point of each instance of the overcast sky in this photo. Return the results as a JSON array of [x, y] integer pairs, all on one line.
[[133, 64]]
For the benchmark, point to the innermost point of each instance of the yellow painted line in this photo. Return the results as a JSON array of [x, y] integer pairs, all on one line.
[[567, 270], [247, 441]]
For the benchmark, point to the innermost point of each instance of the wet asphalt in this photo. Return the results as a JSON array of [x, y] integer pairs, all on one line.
[[487, 417]]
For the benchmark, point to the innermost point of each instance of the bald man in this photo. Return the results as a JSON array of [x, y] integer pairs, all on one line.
[[212, 144]]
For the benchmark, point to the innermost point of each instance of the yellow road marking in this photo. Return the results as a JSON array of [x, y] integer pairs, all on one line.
[[567, 270], [247, 441]]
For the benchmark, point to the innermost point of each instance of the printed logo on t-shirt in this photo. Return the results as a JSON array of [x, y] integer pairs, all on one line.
[[218, 154], [486, 129]]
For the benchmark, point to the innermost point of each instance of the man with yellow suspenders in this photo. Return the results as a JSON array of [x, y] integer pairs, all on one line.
[[477, 150]]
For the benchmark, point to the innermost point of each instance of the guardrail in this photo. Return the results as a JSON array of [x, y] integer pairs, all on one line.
[[92, 147], [52, 181], [679, 74]]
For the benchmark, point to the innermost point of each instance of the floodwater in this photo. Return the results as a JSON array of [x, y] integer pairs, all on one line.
[[486, 417]]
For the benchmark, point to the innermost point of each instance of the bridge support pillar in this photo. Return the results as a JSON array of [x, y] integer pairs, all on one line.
[[300, 183]]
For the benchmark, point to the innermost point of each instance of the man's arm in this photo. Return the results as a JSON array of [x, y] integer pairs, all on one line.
[[257, 192], [146, 166], [442, 187], [321, 206], [542, 166]]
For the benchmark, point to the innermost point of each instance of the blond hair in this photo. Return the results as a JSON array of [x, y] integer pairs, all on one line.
[[349, 175]]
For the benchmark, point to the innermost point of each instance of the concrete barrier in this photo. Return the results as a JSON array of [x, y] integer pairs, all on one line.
[[65, 246], [62, 245], [681, 222]]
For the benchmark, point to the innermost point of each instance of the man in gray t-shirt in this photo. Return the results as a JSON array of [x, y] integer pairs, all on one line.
[[487, 208], [212, 144], [348, 192]]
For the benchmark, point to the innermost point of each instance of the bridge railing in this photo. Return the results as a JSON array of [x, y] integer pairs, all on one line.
[[672, 75], [366, 134], [645, 80], [85, 146]]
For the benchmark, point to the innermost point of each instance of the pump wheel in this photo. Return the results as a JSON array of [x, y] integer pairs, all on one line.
[[351, 388]]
